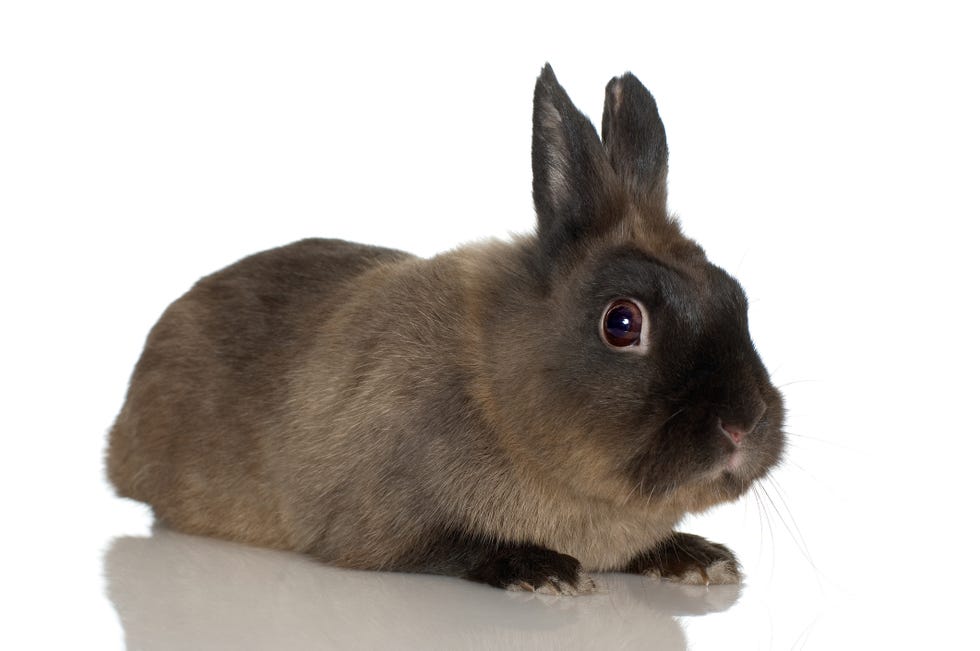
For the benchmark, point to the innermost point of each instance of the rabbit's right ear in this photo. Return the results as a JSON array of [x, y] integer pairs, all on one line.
[[634, 136], [574, 184]]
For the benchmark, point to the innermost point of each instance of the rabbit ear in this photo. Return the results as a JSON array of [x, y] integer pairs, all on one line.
[[634, 137], [573, 180]]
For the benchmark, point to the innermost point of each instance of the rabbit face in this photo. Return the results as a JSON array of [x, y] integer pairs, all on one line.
[[684, 388]]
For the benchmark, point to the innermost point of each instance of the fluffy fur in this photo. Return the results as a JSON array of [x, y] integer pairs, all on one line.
[[462, 414]]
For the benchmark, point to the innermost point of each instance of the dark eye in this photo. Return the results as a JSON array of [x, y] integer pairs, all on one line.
[[622, 324]]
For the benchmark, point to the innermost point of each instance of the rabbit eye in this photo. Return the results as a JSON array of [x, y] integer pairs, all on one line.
[[622, 324]]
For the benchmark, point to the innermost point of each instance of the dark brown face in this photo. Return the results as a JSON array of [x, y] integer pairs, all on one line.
[[663, 359], [652, 355]]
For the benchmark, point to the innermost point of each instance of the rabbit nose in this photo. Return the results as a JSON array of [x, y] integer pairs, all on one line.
[[734, 433], [736, 430]]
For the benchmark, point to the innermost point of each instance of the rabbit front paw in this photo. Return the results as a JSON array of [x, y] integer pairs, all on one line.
[[688, 559], [533, 569]]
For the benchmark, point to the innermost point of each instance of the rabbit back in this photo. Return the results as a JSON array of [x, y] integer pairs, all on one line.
[[210, 388]]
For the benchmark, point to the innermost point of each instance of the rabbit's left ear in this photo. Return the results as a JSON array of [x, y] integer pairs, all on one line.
[[574, 184], [634, 137]]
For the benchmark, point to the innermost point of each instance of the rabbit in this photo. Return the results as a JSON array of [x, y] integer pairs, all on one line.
[[521, 413]]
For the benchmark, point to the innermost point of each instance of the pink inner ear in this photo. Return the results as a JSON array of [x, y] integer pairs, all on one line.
[[617, 95]]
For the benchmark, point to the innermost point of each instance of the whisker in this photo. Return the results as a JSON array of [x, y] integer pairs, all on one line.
[[632, 490], [792, 382], [758, 506], [673, 415], [789, 513], [797, 536], [816, 439], [804, 635], [772, 535], [833, 490]]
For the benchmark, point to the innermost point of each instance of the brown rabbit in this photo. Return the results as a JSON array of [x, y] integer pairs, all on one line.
[[517, 413]]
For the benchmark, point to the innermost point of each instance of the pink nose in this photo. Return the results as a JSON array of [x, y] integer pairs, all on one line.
[[735, 433]]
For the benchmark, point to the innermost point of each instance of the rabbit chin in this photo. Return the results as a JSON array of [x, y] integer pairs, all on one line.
[[727, 480], [732, 478], [723, 486]]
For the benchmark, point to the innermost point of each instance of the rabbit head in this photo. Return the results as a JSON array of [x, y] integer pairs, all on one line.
[[623, 355]]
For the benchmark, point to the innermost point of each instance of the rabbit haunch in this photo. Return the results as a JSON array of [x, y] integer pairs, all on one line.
[[461, 414]]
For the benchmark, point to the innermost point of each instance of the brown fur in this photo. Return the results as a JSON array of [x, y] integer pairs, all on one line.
[[377, 410]]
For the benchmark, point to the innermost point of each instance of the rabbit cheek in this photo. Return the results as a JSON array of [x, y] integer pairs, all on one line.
[[673, 462]]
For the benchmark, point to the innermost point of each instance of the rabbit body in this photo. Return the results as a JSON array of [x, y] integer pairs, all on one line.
[[334, 439], [462, 414]]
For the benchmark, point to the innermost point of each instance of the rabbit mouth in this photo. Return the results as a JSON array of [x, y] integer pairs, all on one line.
[[749, 459]]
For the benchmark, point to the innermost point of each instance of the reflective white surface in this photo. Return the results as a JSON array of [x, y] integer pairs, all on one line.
[[217, 594], [827, 156]]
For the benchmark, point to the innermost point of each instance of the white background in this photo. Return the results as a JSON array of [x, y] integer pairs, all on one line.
[[826, 155]]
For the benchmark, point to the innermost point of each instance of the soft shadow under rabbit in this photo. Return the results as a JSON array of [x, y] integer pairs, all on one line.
[[517, 413]]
